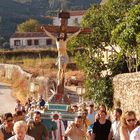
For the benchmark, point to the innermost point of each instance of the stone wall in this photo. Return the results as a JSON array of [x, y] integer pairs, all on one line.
[[7, 71], [127, 92], [29, 84]]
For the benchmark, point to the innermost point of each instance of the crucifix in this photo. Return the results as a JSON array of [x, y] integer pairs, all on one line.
[[61, 43]]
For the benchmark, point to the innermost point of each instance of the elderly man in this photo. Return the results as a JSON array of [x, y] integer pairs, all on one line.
[[20, 129]]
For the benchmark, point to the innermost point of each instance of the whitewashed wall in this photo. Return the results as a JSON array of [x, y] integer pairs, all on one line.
[[42, 42]]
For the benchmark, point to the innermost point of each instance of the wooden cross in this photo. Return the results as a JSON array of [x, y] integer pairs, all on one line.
[[64, 16], [60, 97]]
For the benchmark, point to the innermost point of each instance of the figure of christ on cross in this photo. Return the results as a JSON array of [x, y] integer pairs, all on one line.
[[61, 43]]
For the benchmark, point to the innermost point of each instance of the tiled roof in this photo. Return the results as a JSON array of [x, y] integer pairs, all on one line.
[[77, 13], [28, 34]]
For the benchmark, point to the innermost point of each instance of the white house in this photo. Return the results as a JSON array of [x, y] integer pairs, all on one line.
[[34, 40], [30, 40], [74, 20]]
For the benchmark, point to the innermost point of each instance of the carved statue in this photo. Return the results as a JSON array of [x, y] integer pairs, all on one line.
[[61, 43]]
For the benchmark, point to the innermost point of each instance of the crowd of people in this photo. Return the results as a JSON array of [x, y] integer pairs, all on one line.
[[90, 123]]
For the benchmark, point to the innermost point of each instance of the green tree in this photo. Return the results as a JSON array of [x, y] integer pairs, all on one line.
[[126, 35], [2, 40], [28, 26], [6, 45], [102, 19]]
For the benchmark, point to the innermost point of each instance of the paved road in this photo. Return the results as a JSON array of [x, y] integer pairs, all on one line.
[[7, 102]]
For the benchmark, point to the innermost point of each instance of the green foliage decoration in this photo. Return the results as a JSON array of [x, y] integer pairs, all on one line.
[[126, 35]]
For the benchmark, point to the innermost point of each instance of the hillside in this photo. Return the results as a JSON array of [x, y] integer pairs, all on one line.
[[13, 12]]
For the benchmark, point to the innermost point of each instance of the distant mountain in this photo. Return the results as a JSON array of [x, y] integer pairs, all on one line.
[[13, 12]]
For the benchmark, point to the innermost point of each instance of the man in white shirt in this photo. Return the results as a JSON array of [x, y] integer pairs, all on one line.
[[114, 132], [60, 131], [135, 134]]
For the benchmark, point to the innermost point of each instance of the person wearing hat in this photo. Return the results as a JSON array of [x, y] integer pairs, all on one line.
[[60, 127]]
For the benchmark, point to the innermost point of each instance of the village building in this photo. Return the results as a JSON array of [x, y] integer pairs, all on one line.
[[30, 40], [74, 20], [38, 40]]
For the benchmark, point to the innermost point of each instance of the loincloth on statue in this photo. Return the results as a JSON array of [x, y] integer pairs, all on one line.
[[62, 60]]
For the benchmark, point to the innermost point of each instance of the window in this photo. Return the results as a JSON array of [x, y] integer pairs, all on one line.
[[17, 42], [29, 42], [36, 42], [49, 42], [75, 21]]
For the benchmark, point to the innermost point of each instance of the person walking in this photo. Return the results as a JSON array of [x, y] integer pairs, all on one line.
[[38, 131], [135, 134], [91, 114], [76, 130], [101, 127], [115, 127], [60, 127], [20, 129], [7, 126], [127, 125]]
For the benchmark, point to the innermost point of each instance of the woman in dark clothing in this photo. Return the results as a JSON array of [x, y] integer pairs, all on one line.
[[101, 127]]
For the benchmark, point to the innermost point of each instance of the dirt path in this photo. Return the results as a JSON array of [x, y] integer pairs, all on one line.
[[7, 102]]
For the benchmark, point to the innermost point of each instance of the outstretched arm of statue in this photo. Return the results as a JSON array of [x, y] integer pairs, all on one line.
[[75, 34], [48, 33]]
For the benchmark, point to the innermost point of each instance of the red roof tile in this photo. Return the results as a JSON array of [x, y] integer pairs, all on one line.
[[77, 13], [28, 34]]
